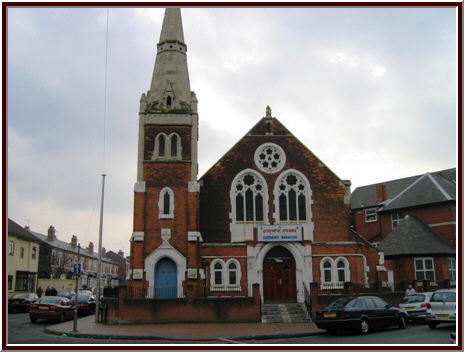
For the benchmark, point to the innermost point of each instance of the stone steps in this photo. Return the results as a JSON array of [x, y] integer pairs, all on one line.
[[284, 313]]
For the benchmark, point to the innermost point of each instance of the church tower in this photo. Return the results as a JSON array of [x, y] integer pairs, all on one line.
[[164, 244]]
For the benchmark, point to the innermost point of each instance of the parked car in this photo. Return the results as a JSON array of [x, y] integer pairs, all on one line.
[[442, 308], [453, 337], [363, 313], [67, 294], [85, 304], [21, 302], [416, 305], [85, 292], [52, 308]]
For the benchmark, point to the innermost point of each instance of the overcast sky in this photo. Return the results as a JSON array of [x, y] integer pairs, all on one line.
[[371, 92]]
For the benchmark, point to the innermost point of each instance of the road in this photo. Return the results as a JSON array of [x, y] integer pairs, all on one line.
[[22, 331]]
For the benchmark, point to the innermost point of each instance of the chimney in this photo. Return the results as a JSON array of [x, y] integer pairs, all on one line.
[[26, 228], [51, 233], [103, 251], [380, 194], [121, 253], [74, 241], [91, 247]]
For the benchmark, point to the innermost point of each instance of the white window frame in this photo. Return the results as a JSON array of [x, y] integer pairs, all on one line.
[[334, 283], [225, 285], [371, 212], [167, 147], [11, 247], [397, 219], [161, 214], [423, 259], [452, 269]]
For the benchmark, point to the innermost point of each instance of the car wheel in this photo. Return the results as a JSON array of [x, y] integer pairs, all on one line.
[[364, 326], [432, 325], [33, 319], [402, 322]]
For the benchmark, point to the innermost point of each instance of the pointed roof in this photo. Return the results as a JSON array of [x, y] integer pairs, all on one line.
[[172, 26], [414, 237], [435, 187], [20, 232], [170, 85]]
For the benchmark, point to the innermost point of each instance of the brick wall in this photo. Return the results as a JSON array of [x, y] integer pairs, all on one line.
[[183, 310]]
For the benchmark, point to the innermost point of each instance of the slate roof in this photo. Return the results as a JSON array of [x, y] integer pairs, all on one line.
[[412, 191], [413, 237], [68, 247], [20, 232]]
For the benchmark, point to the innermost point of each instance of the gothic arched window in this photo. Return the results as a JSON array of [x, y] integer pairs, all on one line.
[[217, 274], [343, 269], [248, 195], [292, 193], [161, 145], [174, 145], [168, 102], [327, 270], [166, 203]]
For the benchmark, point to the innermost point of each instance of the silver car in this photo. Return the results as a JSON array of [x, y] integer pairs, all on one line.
[[442, 308], [416, 305]]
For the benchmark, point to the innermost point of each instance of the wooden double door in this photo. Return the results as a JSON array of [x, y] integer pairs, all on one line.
[[279, 276]]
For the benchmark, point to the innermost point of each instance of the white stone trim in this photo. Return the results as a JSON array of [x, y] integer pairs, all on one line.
[[167, 119], [193, 235], [161, 214], [225, 286], [308, 224], [158, 254], [139, 186], [138, 236], [193, 186], [346, 269], [303, 262]]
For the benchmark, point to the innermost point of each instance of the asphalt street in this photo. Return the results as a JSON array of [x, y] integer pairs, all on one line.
[[22, 331]]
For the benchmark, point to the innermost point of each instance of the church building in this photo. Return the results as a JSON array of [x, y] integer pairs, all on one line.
[[267, 220]]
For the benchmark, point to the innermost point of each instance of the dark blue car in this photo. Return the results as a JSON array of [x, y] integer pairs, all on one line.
[[362, 314]]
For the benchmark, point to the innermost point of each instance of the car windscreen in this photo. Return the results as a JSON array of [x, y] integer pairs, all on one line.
[[418, 298], [64, 294], [81, 299], [443, 297], [342, 302], [21, 295], [50, 300]]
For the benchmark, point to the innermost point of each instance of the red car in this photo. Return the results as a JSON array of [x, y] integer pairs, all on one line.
[[21, 302], [52, 308]]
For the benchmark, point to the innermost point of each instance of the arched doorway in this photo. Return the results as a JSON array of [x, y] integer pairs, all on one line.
[[165, 279], [279, 276]]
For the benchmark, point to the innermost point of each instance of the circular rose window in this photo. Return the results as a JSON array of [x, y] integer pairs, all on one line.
[[270, 158]]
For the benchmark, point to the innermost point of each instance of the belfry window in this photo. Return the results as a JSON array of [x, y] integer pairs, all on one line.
[[174, 145], [168, 102], [291, 191], [166, 203], [247, 193], [162, 145]]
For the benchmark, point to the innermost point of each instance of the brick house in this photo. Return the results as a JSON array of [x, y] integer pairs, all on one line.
[[263, 224], [123, 265], [413, 222]]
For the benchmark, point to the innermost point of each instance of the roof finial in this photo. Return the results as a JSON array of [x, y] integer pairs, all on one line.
[[268, 111]]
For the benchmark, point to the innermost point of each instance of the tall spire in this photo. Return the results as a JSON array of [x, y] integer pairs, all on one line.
[[170, 85]]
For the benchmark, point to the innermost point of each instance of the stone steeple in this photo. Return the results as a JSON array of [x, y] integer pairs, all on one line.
[[170, 86]]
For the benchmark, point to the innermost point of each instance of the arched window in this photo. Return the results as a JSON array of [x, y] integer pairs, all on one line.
[[248, 195], [162, 145], [166, 203], [232, 274], [168, 102], [217, 274], [174, 145], [343, 269], [327, 271], [292, 189]]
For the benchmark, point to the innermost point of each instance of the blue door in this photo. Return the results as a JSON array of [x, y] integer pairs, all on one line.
[[165, 279]]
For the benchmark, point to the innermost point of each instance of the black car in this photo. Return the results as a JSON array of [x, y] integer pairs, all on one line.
[[363, 314], [85, 304], [21, 302]]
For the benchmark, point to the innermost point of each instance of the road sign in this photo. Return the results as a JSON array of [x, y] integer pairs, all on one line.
[[77, 268]]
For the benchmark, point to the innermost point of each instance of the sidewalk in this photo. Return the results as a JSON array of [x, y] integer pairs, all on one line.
[[192, 332]]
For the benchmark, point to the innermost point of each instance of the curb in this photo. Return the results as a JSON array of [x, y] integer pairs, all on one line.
[[138, 337]]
